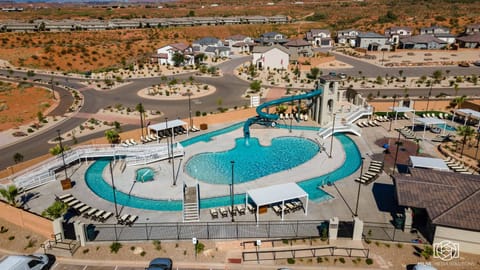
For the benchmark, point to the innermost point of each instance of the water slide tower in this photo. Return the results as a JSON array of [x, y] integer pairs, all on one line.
[[325, 105]]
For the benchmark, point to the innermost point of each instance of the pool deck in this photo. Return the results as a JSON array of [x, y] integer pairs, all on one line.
[[376, 200]]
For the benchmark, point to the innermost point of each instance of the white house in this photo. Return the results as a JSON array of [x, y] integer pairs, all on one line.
[[200, 45], [239, 43], [372, 41], [440, 32], [271, 38], [164, 55], [271, 57], [319, 38], [347, 37], [395, 33]]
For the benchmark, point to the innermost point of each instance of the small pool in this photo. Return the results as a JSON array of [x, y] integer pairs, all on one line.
[[447, 127], [252, 160], [144, 174]]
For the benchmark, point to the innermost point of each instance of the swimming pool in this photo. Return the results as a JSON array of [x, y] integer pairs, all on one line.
[[144, 174], [447, 127], [252, 160], [95, 181]]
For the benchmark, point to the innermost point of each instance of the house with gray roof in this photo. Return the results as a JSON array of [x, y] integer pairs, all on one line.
[[299, 47], [472, 28], [271, 38], [442, 205], [319, 38], [372, 41], [439, 32], [423, 42], [469, 41], [239, 43], [165, 54], [201, 44], [273, 57], [395, 33], [347, 37], [218, 51]]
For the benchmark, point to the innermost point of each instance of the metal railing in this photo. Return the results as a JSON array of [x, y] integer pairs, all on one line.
[[261, 255]]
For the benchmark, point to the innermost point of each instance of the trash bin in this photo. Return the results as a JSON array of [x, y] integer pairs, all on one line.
[[91, 232]]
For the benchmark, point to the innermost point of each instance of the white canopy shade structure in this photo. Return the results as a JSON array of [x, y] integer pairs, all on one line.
[[276, 194], [429, 163], [468, 113], [402, 110], [166, 125], [426, 121]]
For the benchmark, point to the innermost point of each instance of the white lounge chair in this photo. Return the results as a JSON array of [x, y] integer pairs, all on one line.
[[131, 219], [98, 214], [280, 116], [223, 212], [213, 213], [240, 209], [90, 212], [250, 208], [305, 117], [105, 216], [277, 209], [64, 196], [123, 219]]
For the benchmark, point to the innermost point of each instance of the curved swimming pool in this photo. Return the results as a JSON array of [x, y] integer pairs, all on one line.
[[252, 160], [95, 181]]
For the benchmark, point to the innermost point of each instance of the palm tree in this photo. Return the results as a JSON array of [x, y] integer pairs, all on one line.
[[17, 158], [112, 136], [141, 110], [10, 194], [467, 132]]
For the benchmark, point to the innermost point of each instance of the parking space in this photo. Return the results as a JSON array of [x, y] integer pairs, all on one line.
[[63, 266]]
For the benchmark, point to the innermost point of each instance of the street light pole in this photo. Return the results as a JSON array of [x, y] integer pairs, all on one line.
[[359, 185], [333, 131], [232, 191], [190, 110], [114, 193], [396, 153], [63, 155], [466, 129], [428, 97], [168, 146]]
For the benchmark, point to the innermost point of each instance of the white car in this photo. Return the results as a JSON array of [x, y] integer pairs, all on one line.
[[27, 262]]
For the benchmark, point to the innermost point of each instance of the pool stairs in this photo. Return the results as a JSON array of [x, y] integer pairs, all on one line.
[[346, 123], [190, 204]]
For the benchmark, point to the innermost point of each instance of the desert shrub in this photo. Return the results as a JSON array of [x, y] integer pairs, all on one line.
[[157, 244], [342, 260], [369, 261], [115, 247], [291, 261]]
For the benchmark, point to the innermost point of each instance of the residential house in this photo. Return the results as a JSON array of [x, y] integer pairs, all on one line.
[[164, 55], [180, 22], [347, 37], [443, 205], [255, 19], [93, 25], [299, 47], [217, 51], [124, 24], [230, 20], [200, 45], [469, 41], [273, 57], [395, 33], [57, 26], [17, 26], [424, 42], [439, 32], [472, 28], [319, 38], [372, 41], [271, 38], [205, 21], [277, 19], [239, 43], [155, 22]]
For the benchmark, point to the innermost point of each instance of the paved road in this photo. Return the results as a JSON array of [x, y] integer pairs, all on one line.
[[228, 94]]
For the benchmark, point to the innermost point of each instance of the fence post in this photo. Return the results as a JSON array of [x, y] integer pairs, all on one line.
[[115, 230], [146, 231], [178, 232], [333, 228], [357, 229], [296, 230], [208, 230]]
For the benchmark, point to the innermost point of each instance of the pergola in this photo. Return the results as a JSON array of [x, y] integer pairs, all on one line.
[[468, 113], [402, 110], [276, 194], [429, 163], [428, 121], [166, 125]]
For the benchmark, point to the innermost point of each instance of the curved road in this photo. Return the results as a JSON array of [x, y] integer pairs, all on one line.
[[228, 93]]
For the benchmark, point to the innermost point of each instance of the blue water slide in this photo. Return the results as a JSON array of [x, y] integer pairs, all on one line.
[[265, 118]]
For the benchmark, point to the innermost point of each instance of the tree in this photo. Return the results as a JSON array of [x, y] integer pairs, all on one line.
[[457, 102], [112, 136], [57, 149], [191, 13], [10, 194], [141, 110], [313, 73], [256, 85], [40, 117], [178, 59], [56, 210], [17, 158], [437, 76], [467, 132]]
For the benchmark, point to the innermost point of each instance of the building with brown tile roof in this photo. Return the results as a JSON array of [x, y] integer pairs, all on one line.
[[449, 199]]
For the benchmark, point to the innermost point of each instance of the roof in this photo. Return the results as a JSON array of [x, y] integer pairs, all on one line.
[[470, 38], [371, 35], [430, 121], [397, 28], [401, 109], [297, 43], [434, 27], [422, 39], [236, 37], [160, 55], [264, 49], [179, 46], [270, 34], [207, 41], [472, 113], [429, 163], [276, 193], [167, 125], [450, 199]]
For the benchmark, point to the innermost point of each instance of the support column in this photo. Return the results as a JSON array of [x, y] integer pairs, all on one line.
[[407, 225], [58, 227], [80, 232], [333, 228], [357, 229]]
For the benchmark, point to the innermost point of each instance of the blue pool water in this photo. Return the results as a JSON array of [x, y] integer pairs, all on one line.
[[144, 175], [252, 160], [447, 127], [95, 181]]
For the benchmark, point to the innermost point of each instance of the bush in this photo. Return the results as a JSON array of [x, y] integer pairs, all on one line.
[[369, 261], [56, 210], [157, 244], [30, 130], [115, 247], [342, 260], [291, 261]]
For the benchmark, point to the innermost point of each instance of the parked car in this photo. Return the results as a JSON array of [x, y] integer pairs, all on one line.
[[342, 75], [477, 63], [27, 262], [420, 266], [160, 264], [463, 64]]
